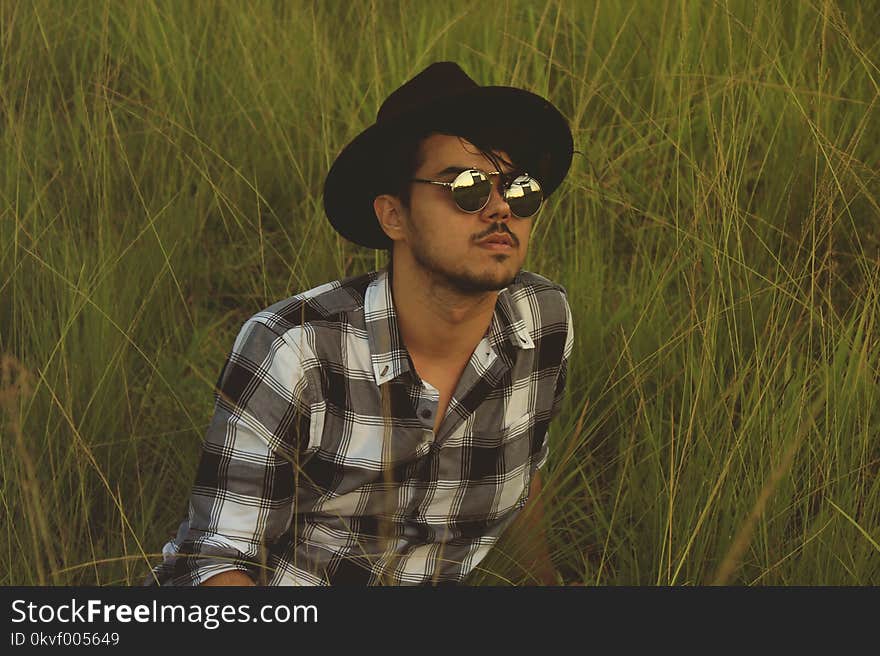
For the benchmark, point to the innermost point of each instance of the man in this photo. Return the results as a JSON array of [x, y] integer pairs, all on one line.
[[387, 428]]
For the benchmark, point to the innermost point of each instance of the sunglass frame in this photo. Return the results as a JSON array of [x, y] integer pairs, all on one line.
[[487, 175]]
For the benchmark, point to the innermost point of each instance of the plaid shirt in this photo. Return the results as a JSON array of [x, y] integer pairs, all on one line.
[[320, 465]]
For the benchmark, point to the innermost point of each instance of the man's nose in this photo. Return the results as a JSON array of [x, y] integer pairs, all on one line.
[[497, 207]]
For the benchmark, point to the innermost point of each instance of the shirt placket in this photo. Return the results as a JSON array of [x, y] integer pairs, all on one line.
[[426, 409]]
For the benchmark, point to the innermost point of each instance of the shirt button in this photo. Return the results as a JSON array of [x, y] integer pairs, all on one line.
[[426, 414]]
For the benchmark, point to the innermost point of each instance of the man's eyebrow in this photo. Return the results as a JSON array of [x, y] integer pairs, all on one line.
[[458, 169], [453, 169]]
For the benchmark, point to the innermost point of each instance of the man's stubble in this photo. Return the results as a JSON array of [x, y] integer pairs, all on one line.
[[461, 280]]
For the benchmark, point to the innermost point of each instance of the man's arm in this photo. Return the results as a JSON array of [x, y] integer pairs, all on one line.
[[529, 539], [527, 532], [242, 497]]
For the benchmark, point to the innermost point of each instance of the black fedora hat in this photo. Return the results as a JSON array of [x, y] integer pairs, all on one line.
[[442, 97]]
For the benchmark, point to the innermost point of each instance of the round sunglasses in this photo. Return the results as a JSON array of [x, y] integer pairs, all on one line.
[[472, 188]]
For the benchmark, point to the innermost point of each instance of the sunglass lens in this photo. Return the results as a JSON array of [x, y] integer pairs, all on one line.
[[471, 190], [524, 196]]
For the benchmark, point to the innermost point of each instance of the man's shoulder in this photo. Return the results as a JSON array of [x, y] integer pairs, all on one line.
[[332, 301], [530, 290], [539, 301]]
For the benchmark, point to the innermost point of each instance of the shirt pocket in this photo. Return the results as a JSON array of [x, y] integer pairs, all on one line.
[[501, 464]]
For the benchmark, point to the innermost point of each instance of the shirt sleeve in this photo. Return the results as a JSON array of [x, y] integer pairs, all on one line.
[[243, 494], [561, 378]]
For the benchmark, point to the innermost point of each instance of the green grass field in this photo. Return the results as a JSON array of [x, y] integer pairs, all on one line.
[[161, 166]]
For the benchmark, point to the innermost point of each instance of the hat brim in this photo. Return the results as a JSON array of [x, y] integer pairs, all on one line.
[[545, 151]]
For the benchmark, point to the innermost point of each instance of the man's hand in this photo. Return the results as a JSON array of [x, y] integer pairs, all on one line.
[[232, 577]]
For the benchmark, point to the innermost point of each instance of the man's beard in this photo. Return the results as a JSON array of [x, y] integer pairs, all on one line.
[[462, 282]]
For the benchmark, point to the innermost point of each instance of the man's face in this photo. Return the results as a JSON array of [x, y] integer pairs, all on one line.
[[446, 241]]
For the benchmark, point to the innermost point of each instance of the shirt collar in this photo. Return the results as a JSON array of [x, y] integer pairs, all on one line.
[[388, 353]]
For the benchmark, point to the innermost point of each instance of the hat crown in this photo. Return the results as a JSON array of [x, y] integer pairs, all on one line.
[[437, 81]]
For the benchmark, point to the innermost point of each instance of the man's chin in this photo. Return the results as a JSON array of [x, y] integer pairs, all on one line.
[[477, 284], [469, 282]]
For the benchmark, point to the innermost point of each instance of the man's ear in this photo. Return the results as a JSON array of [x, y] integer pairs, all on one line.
[[389, 213]]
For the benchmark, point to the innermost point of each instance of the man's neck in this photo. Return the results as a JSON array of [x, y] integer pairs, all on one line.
[[438, 322]]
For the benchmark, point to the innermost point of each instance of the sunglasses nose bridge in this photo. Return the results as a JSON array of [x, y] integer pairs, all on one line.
[[497, 201], [504, 181]]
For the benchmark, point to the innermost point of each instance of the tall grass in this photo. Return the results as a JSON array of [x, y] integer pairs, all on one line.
[[161, 166]]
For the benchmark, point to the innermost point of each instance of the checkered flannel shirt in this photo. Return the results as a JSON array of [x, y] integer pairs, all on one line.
[[301, 480]]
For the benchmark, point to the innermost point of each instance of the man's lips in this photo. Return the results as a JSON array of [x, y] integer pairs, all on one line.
[[496, 241]]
